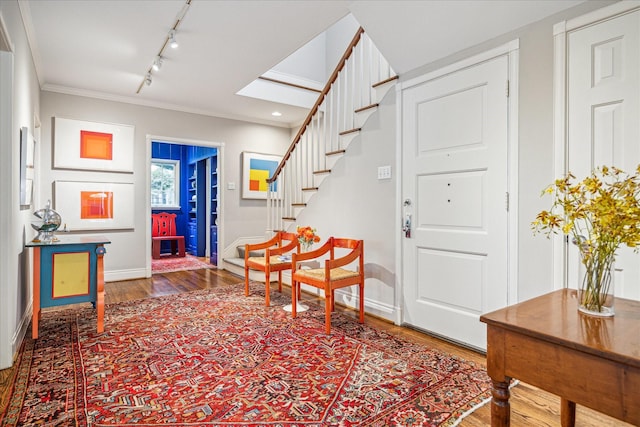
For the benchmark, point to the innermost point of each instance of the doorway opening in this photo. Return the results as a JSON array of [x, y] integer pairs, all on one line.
[[184, 177]]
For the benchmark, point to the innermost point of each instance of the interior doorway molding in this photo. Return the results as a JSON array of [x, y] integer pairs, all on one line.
[[7, 271], [560, 131], [181, 141]]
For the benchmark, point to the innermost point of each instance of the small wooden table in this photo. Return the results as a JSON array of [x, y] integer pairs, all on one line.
[[68, 271], [587, 360]]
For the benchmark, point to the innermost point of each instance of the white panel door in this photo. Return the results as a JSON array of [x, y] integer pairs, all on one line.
[[455, 183], [604, 117]]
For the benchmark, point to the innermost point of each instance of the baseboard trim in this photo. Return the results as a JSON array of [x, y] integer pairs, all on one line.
[[117, 275], [21, 332]]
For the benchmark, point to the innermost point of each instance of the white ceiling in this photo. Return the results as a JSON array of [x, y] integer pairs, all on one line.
[[103, 48]]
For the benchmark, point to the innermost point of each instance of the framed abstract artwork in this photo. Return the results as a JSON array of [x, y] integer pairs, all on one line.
[[94, 205], [27, 163], [86, 145], [256, 169]]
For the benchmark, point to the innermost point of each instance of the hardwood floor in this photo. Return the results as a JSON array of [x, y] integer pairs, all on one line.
[[529, 405]]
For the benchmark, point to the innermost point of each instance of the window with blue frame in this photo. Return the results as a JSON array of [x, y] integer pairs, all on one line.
[[165, 184]]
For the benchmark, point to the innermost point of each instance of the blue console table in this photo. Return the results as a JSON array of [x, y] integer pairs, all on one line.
[[68, 271]]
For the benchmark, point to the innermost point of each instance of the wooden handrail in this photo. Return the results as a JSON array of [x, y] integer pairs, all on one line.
[[282, 82], [315, 107]]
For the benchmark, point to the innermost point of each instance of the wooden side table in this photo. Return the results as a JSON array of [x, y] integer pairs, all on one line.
[[68, 271], [586, 360]]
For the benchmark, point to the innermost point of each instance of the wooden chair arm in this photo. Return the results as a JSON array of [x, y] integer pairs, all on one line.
[[302, 256], [262, 245], [347, 259], [284, 249]]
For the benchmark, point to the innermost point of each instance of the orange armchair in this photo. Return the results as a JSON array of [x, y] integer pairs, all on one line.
[[279, 245], [333, 276]]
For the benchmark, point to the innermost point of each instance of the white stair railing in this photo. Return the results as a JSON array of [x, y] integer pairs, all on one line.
[[360, 80]]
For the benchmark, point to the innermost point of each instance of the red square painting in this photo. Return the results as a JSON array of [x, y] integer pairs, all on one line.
[[96, 205], [96, 145]]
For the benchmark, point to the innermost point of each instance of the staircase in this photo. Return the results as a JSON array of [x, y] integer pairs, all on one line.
[[359, 82]]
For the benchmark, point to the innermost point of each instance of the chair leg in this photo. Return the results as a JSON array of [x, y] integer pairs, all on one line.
[[155, 249], [294, 298], [361, 302], [267, 284], [280, 281], [327, 311], [246, 281]]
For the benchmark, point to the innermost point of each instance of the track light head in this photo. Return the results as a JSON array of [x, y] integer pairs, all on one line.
[[172, 39], [157, 63], [147, 79]]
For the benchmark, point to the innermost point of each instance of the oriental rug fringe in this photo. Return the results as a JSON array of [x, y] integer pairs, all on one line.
[[216, 358]]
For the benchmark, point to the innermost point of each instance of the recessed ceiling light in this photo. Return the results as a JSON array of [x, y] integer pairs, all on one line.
[[276, 114]]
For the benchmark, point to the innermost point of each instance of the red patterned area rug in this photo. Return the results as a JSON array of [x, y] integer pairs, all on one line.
[[215, 358], [169, 263]]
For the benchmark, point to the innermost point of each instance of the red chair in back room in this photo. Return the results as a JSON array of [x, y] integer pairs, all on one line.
[[163, 227]]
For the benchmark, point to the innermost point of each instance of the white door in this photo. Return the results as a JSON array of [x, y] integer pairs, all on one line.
[[454, 186], [603, 116]]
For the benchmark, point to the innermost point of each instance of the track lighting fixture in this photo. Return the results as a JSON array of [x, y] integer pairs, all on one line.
[[172, 39], [157, 63]]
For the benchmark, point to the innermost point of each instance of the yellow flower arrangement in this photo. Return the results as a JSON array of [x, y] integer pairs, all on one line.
[[601, 212], [307, 236]]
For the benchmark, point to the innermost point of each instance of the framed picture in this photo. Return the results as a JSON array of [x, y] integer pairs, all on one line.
[[94, 205], [27, 164], [92, 146], [256, 169]]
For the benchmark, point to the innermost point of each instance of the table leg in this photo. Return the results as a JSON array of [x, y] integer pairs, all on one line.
[[500, 407], [567, 413], [100, 293], [35, 317]]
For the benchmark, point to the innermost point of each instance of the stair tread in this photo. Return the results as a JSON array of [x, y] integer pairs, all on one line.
[[385, 81], [368, 107], [347, 132], [333, 153]]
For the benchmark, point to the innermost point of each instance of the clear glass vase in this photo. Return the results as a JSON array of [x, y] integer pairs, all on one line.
[[596, 288]]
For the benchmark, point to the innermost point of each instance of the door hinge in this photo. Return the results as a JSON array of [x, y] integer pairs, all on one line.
[[506, 88], [506, 201]]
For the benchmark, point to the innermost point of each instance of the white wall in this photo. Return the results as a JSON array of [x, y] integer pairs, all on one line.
[[126, 254], [15, 280], [351, 202]]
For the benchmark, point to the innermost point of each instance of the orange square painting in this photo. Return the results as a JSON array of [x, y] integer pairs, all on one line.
[[96, 145], [96, 205]]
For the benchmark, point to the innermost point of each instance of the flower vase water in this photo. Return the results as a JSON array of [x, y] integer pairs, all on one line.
[[596, 287]]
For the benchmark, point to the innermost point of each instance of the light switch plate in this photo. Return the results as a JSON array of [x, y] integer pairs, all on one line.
[[231, 185], [384, 172]]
